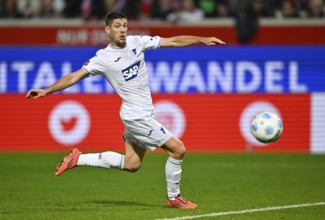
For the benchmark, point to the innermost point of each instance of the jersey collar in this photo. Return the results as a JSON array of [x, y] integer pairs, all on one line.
[[117, 48]]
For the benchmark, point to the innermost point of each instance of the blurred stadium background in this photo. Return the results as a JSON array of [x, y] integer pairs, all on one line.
[[274, 60]]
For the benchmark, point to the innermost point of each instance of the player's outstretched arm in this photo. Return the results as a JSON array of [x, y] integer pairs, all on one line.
[[185, 40], [65, 82]]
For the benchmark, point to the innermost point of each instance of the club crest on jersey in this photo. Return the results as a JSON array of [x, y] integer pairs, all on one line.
[[132, 71]]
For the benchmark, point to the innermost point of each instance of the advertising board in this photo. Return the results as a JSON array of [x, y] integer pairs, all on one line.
[[205, 96]]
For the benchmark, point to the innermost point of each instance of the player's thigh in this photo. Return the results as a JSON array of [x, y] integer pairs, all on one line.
[[175, 148], [146, 133], [133, 156]]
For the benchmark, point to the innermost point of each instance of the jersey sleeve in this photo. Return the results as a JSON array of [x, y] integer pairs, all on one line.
[[149, 42], [94, 66]]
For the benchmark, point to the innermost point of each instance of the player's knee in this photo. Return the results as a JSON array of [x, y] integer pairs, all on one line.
[[180, 151], [133, 167]]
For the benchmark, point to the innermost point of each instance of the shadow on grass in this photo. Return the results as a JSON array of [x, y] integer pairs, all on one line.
[[122, 203], [85, 206], [106, 204]]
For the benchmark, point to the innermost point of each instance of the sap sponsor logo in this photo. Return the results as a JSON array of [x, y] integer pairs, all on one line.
[[69, 123], [170, 115], [247, 116], [132, 71]]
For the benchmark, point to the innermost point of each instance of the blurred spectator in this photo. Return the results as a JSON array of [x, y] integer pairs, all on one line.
[[9, 9], [29, 8], [188, 13], [131, 8], [214, 8], [52, 8], [302, 4], [288, 9], [209, 7], [145, 9], [175, 10], [263, 8], [46, 9], [259, 8], [93, 9], [58, 7], [88, 10], [110, 5], [222, 9], [233, 5], [72, 8], [1, 6], [246, 20], [162, 8], [316, 9]]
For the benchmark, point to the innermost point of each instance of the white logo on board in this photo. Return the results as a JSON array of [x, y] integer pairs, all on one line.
[[69, 123], [247, 116]]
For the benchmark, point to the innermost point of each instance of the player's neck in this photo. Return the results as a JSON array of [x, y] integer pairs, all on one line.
[[116, 47]]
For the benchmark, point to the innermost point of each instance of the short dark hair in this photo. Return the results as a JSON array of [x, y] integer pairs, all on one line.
[[112, 16]]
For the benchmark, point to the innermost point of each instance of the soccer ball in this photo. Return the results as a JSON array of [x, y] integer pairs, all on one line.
[[266, 127]]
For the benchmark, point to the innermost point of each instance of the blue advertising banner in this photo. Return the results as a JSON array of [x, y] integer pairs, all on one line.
[[220, 69]]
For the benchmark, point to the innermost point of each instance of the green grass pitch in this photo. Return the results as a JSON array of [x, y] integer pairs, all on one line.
[[216, 182]]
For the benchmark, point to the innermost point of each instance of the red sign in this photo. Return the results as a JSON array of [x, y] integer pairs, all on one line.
[[96, 36], [203, 122]]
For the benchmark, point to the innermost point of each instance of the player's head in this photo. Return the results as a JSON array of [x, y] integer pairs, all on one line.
[[111, 16], [116, 27]]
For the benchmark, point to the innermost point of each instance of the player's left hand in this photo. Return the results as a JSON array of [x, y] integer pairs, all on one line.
[[210, 41]]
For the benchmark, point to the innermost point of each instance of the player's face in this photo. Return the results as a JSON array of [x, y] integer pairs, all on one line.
[[117, 32]]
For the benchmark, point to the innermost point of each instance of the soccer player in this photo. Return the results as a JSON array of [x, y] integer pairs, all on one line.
[[122, 64]]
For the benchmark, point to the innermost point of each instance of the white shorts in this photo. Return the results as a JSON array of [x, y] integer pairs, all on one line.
[[146, 133]]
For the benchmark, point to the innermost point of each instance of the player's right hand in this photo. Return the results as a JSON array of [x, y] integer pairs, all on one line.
[[35, 93]]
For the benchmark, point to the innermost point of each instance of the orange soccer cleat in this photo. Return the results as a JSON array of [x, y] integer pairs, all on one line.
[[69, 162], [181, 203]]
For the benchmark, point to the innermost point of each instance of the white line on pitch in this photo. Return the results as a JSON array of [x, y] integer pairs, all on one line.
[[246, 211]]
